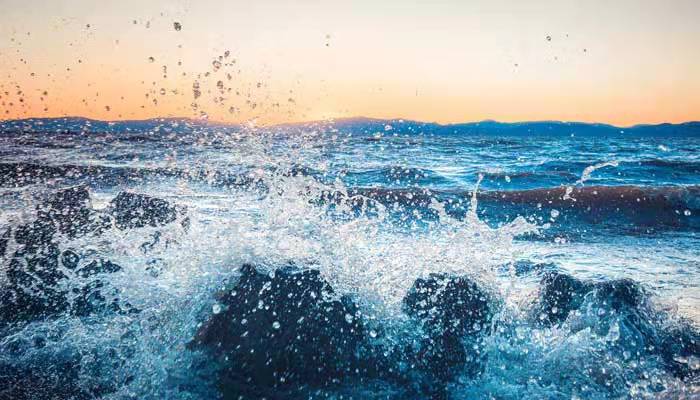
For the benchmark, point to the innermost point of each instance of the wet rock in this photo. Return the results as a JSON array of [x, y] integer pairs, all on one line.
[[559, 295], [68, 210], [680, 350], [280, 331], [59, 380], [620, 310], [448, 304], [32, 287], [134, 210], [620, 293], [453, 312], [4, 240]]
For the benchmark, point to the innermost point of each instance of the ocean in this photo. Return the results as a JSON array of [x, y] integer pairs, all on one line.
[[349, 259]]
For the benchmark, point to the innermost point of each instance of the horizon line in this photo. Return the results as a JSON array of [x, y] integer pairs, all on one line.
[[340, 119]]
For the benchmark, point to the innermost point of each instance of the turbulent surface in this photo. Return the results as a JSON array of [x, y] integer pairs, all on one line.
[[175, 259]]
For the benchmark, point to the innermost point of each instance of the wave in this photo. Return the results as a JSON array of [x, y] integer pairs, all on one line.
[[588, 197], [24, 174], [605, 197], [680, 165]]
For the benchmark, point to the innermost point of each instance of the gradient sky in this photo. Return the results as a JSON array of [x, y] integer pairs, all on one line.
[[623, 62]]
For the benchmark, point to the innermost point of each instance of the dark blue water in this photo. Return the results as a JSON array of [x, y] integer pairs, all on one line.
[[381, 261]]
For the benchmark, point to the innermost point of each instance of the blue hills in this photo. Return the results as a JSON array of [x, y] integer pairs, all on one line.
[[359, 126]]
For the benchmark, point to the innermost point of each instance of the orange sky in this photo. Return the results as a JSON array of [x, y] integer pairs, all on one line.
[[632, 61]]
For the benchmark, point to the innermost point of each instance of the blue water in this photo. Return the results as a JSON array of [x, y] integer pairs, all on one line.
[[372, 211]]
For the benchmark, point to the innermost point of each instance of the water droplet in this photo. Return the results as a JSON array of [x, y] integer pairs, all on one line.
[[151, 59], [549, 38], [373, 333], [687, 213], [216, 308], [276, 325], [554, 213], [177, 26], [349, 318]]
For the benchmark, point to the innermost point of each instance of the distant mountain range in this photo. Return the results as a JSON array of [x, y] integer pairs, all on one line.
[[361, 126]]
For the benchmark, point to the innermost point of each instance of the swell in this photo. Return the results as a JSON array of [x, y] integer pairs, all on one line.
[[23, 174], [599, 197], [585, 213], [680, 165]]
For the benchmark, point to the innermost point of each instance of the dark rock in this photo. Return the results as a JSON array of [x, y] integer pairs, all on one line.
[[447, 304], [453, 313], [133, 210], [559, 295], [4, 240], [620, 293], [282, 330], [32, 291], [69, 210], [66, 211], [34, 271], [680, 350], [59, 380], [642, 330]]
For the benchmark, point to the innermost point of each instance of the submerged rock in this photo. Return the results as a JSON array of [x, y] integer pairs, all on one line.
[[449, 304], [559, 295], [134, 210], [34, 272], [4, 240], [68, 210], [620, 310], [453, 313], [59, 380], [280, 331], [37, 266], [284, 331]]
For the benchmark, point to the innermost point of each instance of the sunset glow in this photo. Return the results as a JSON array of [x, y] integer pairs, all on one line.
[[623, 62]]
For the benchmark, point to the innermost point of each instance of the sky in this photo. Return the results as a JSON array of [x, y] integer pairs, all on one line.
[[623, 62]]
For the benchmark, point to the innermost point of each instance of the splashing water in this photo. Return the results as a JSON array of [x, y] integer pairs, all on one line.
[[586, 175], [374, 217]]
